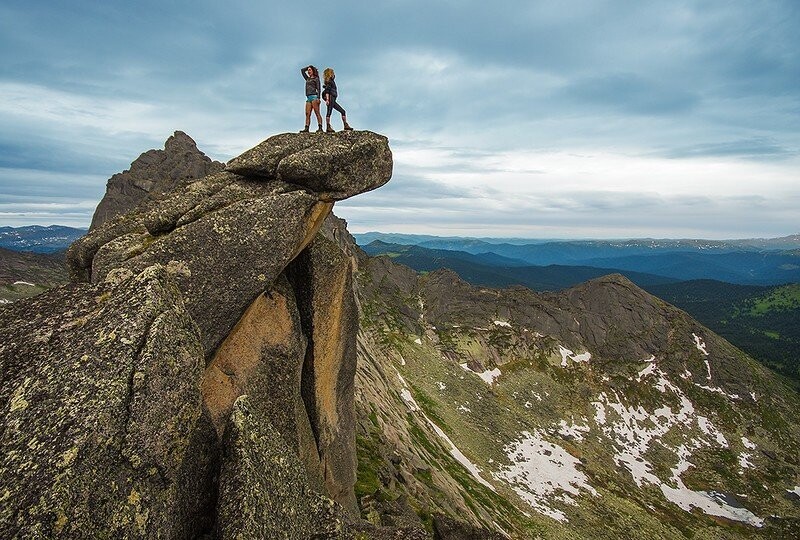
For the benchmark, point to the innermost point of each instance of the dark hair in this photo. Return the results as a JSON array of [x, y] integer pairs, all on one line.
[[316, 71]]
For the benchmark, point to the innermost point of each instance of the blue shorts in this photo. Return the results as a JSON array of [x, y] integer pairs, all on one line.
[[312, 97]]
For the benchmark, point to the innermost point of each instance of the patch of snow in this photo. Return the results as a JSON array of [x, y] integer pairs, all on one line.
[[700, 344], [574, 431], [600, 413], [441, 385], [409, 399], [632, 430], [24, 283], [649, 370], [528, 405], [464, 408], [502, 323], [489, 376], [537, 396], [753, 395], [418, 341], [402, 361], [640, 469], [405, 393], [542, 472], [500, 529], [709, 429], [454, 451], [458, 455], [750, 445], [711, 503], [686, 374], [4, 301], [718, 390], [567, 354], [744, 461], [796, 490]]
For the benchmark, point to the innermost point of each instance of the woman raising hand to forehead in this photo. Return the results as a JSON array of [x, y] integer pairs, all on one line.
[[311, 75]]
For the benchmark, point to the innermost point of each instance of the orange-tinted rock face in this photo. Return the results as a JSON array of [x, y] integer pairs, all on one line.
[[323, 280]]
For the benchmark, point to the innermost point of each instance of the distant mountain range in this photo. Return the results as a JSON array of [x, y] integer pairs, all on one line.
[[632, 246], [492, 270], [748, 262], [39, 239]]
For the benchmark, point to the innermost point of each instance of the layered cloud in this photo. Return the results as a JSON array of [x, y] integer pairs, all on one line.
[[516, 118]]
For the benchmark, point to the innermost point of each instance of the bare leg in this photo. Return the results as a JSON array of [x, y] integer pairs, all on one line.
[[308, 113], [315, 105]]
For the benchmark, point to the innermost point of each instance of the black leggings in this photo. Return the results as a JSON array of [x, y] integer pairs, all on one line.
[[333, 105]]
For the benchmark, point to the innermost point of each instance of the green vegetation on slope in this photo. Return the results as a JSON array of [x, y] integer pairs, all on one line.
[[762, 321]]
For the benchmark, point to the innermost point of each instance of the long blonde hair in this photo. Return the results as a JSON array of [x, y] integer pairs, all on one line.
[[327, 74]]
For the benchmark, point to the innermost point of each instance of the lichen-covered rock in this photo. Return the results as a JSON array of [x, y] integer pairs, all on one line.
[[263, 492], [229, 237], [112, 424], [334, 166], [101, 432], [323, 280], [233, 234], [153, 173]]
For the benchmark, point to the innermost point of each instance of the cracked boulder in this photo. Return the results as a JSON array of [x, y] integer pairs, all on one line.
[[336, 166], [102, 432]]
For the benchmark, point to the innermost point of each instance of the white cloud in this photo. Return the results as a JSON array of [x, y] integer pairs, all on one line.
[[576, 119]]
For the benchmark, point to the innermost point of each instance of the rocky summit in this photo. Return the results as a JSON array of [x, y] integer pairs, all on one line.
[[196, 377], [153, 173], [324, 164]]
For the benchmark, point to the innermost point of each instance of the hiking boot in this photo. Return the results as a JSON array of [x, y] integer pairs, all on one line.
[[330, 129], [346, 125], [304, 130], [319, 129]]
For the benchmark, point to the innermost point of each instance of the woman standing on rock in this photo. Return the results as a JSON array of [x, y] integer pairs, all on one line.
[[311, 75], [329, 95]]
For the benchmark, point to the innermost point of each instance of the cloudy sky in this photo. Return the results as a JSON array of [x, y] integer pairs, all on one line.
[[568, 119]]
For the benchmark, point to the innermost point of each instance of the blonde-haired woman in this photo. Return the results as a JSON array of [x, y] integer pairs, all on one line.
[[329, 94], [311, 75]]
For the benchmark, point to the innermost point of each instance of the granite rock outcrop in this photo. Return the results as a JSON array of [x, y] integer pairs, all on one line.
[[102, 423], [200, 363], [153, 173]]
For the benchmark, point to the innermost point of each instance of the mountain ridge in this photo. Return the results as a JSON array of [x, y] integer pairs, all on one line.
[[437, 338]]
